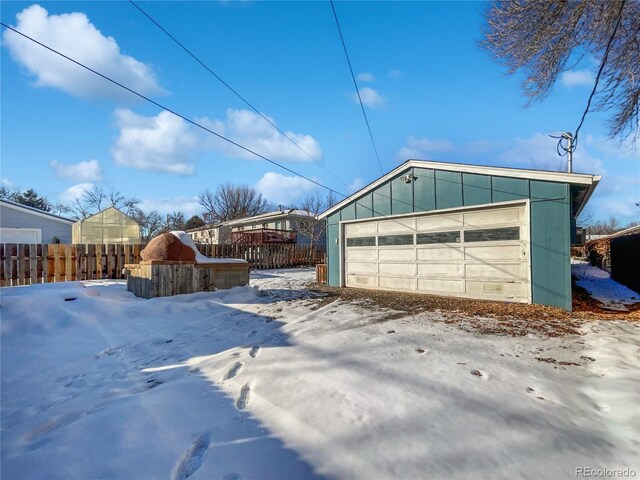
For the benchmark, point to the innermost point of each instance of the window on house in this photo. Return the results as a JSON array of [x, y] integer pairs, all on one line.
[[492, 234], [438, 237]]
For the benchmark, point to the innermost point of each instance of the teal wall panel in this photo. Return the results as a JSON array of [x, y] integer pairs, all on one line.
[[401, 195], [382, 200], [507, 189], [448, 189], [476, 189], [364, 206], [333, 250], [550, 244], [348, 212], [424, 195]]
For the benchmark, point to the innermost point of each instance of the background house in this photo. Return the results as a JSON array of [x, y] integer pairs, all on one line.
[[107, 226], [282, 226], [214, 234], [22, 224], [461, 230]]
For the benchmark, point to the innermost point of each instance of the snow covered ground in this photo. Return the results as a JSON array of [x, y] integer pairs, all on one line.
[[270, 381], [602, 287]]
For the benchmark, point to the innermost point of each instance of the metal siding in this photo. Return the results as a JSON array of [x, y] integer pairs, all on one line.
[[448, 189], [401, 195], [476, 189], [333, 250], [550, 255], [363, 206], [382, 200], [423, 190], [12, 218], [507, 189]]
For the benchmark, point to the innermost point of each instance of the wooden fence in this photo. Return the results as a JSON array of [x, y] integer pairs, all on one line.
[[27, 264]]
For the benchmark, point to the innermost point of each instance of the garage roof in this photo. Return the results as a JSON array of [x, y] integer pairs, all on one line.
[[582, 185]]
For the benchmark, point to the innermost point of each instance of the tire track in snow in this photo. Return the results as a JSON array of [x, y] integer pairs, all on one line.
[[192, 458]]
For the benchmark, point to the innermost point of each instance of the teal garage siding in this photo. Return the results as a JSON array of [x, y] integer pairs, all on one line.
[[440, 189]]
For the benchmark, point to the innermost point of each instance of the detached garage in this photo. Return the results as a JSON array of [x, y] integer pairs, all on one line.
[[460, 230], [23, 224]]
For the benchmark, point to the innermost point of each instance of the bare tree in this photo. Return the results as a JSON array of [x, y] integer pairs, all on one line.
[[176, 221], [151, 223], [230, 202], [314, 203], [538, 38], [96, 200]]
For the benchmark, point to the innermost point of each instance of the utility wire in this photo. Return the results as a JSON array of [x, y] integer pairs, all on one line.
[[234, 91], [595, 85], [170, 110], [353, 77]]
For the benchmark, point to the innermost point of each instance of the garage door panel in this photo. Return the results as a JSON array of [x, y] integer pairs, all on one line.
[[488, 217], [400, 225], [497, 290], [355, 255], [440, 286], [396, 254], [439, 222], [358, 229], [396, 283], [440, 253], [438, 270], [496, 270], [398, 268], [362, 267], [361, 281], [493, 252]]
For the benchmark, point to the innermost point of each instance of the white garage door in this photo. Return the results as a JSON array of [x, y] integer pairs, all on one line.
[[480, 253], [20, 235]]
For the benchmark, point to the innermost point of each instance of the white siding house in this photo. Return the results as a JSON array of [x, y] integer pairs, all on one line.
[[22, 224]]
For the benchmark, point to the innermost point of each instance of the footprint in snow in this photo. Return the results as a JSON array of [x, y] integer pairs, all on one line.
[[245, 396], [252, 334], [255, 350], [233, 371], [191, 459]]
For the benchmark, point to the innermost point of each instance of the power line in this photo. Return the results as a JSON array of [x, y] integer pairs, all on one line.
[[235, 92], [353, 77], [595, 85], [170, 110]]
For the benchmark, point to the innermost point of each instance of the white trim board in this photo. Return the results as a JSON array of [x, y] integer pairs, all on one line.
[[47, 215], [560, 177]]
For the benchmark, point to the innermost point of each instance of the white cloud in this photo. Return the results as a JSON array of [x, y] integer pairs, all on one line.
[[254, 132], [283, 190], [423, 147], [393, 73], [356, 185], [573, 78], [365, 77], [163, 143], [165, 205], [75, 192], [74, 35], [7, 183], [88, 171], [370, 97]]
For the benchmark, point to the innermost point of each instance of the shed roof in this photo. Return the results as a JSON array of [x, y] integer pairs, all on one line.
[[584, 183]]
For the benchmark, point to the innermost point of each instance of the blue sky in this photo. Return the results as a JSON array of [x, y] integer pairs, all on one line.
[[430, 93]]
